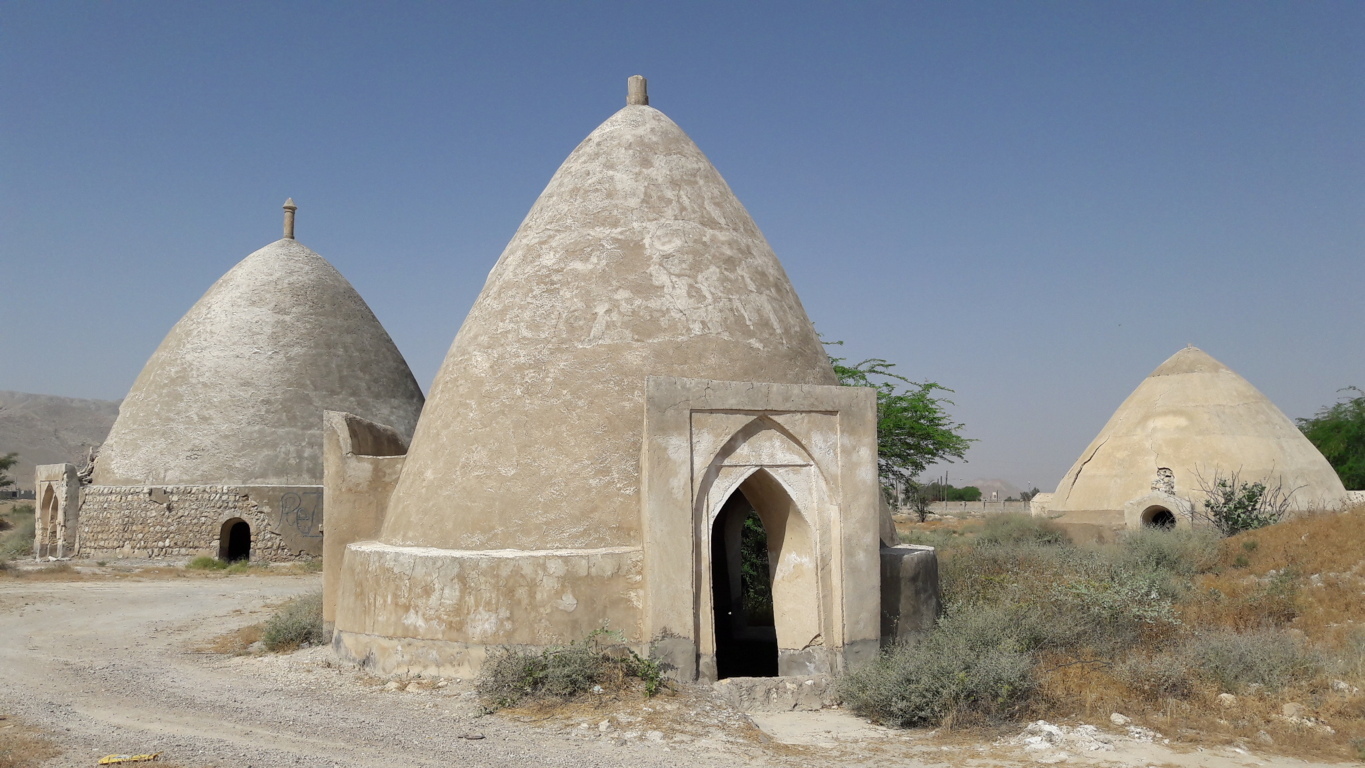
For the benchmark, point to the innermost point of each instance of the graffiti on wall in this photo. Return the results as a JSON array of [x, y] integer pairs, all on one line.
[[302, 511]]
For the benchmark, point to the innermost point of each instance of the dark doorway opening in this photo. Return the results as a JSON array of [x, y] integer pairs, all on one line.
[[1160, 517], [235, 541], [742, 593]]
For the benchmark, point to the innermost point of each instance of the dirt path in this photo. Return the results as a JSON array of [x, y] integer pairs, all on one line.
[[115, 666]]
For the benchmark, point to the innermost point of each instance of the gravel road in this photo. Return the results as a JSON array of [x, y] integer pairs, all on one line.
[[118, 665]]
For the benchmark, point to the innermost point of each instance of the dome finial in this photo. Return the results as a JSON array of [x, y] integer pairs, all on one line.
[[289, 209], [637, 91]]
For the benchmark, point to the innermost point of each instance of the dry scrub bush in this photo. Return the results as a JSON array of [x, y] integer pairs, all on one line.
[[1276, 617], [1158, 676], [1156, 625], [1267, 657], [564, 672], [974, 666], [1014, 528], [297, 623]]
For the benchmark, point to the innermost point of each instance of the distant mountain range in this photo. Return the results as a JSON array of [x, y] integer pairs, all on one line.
[[1004, 488], [46, 429]]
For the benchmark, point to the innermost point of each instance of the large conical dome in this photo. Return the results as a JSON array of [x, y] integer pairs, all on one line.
[[235, 393], [1195, 417], [636, 260]]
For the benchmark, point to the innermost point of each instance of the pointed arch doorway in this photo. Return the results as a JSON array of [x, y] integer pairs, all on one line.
[[765, 598], [742, 592]]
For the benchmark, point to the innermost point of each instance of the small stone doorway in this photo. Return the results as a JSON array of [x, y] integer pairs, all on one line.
[[234, 542], [742, 597]]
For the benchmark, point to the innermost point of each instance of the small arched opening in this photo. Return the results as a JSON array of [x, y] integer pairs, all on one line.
[[1158, 517], [47, 524], [234, 541]]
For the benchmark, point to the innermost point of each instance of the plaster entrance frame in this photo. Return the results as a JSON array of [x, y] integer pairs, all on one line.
[[58, 498], [806, 458]]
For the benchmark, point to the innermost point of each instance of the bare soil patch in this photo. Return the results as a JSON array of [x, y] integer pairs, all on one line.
[[116, 664]]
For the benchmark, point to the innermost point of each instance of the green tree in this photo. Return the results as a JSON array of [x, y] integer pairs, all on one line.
[[914, 429], [1339, 432], [941, 492], [7, 461]]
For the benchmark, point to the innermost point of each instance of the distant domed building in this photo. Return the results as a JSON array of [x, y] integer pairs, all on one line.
[[217, 449], [1192, 420], [635, 379]]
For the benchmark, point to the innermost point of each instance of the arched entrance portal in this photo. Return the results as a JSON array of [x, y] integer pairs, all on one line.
[[1158, 517], [742, 592], [764, 586], [234, 542]]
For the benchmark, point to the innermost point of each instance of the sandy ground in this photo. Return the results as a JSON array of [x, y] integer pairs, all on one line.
[[119, 666]]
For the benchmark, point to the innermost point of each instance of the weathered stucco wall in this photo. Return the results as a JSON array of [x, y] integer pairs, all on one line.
[[435, 611], [234, 394], [636, 260], [910, 591], [361, 462], [187, 521]]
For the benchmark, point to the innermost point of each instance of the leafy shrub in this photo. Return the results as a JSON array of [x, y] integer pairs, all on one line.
[[563, 672], [1232, 505], [1269, 657], [974, 665], [298, 621], [755, 578], [1160, 676], [1013, 528], [206, 563]]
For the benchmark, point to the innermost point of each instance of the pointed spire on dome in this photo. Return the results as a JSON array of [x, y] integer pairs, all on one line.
[[637, 91], [289, 209], [1191, 359]]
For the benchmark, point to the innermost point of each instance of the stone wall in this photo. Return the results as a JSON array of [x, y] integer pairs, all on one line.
[[970, 508], [187, 521]]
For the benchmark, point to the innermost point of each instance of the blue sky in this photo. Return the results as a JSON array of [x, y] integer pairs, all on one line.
[[1032, 203]]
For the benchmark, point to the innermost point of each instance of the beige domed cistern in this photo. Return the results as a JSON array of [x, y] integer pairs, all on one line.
[[218, 447], [636, 379], [1191, 421]]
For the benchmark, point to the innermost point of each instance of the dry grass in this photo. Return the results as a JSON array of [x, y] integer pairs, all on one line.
[[236, 642], [78, 570], [59, 571], [23, 746], [1299, 584]]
